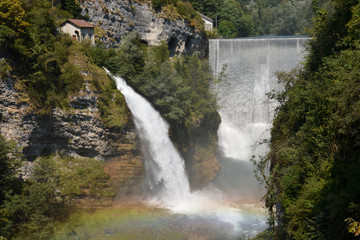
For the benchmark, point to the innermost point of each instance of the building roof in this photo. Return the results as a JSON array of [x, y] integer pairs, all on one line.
[[206, 17], [79, 23]]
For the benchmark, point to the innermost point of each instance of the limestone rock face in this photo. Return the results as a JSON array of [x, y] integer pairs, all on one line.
[[77, 131], [118, 18]]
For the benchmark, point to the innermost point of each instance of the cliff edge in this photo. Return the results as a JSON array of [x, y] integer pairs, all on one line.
[[115, 19]]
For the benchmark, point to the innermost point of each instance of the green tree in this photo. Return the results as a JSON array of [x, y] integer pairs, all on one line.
[[9, 183], [46, 197], [227, 29], [230, 16], [207, 7], [314, 146], [13, 15], [328, 31], [9, 162], [12, 21], [353, 28], [5, 69], [71, 6], [131, 56]]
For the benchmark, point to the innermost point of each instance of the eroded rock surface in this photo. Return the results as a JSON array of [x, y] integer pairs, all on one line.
[[77, 131], [118, 18]]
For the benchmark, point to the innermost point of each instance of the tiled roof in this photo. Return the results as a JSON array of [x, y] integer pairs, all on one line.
[[80, 23], [206, 17]]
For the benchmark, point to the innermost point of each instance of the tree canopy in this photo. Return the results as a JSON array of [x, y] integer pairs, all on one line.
[[241, 18], [313, 187]]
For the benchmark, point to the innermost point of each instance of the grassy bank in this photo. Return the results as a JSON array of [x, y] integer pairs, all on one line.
[[120, 223]]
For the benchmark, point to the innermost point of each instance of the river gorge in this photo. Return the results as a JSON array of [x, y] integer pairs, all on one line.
[[230, 205]]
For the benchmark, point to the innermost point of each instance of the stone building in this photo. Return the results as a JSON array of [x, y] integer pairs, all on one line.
[[208, 22], [79, 30]]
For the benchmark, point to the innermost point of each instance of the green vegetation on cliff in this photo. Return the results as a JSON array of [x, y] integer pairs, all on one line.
[[313, 189], [30, 208], [36, 54], [31, 41], [49, 67], [183, 9], [177, 87]]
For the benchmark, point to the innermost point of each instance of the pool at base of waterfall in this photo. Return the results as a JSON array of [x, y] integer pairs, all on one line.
[[137, 221]]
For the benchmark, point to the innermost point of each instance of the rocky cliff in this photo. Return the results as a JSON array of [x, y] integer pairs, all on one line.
[[115, 19], [77, 130]]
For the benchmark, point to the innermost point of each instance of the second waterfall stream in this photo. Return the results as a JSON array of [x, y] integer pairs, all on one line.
[[166, 181]]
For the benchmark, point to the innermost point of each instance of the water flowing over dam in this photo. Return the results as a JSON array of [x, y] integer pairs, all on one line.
[[250, 67]]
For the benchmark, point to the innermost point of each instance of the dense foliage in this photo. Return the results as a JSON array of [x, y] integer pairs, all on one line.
[[36, 53], [239, 18], [47, 66], [30, 208], [71, 6], [313, 189]]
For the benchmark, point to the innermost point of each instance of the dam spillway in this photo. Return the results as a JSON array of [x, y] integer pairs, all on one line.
[[246, 112], [251, 65]]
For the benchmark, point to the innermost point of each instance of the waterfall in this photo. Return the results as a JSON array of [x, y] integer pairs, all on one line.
[[252, 64], [167, 181], [165, 170]]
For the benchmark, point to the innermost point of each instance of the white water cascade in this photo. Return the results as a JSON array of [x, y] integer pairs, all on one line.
[[252, 64], [165, 170]]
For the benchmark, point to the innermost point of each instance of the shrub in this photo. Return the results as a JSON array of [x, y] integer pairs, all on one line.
[[47, 196], [157, 3], [5, 68], [72, 78]]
